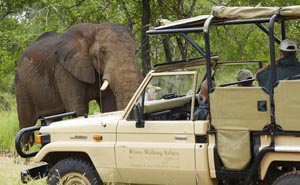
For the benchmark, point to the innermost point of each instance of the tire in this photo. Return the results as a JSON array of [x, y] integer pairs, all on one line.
[[73, 171], [290, 178]]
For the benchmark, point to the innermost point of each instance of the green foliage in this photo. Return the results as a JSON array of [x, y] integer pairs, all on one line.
[[93, 107], [240, 45], [12, 41]]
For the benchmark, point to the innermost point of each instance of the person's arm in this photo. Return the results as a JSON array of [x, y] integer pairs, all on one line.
[[260, 70]]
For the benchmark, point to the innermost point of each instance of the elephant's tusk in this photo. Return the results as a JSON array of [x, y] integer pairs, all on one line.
[[104, 85]]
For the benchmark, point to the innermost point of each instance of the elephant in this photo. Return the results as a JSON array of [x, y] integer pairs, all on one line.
[[60, 73]]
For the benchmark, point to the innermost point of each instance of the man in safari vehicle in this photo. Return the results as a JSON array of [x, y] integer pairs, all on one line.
[[244, 75], [286, 66]]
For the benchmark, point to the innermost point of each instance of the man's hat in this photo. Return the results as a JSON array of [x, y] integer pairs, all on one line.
[[244, 75], [288, 45]]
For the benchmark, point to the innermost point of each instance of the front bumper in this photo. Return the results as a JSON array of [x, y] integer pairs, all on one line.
[[34, 173]]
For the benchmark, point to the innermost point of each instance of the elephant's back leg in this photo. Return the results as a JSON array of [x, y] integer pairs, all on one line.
[[25, 107], [26, 113]]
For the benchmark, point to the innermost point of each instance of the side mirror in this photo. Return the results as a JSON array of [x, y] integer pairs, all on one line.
[[140, 123]]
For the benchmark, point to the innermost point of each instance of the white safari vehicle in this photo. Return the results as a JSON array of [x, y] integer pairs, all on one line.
[[251, 136]]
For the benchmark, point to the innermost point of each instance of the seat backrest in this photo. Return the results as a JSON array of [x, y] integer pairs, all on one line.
[[287, 104], [235, 111], [238, 107]]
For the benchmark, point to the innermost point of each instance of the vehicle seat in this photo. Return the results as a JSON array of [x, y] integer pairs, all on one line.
[[287, 104]]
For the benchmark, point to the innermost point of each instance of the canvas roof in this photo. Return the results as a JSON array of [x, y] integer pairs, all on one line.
[[222, 13]]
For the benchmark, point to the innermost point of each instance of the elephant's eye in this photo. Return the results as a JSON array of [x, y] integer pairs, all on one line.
[[102, 51]]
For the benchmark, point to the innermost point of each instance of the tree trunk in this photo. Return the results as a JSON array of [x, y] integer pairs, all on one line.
[[165, 38], [146, 60]]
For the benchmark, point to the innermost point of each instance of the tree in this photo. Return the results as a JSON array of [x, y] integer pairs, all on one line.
[[145, 40], [8, 7]]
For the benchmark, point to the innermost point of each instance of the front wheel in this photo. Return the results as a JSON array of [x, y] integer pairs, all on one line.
[[73, 171], [290, 178]]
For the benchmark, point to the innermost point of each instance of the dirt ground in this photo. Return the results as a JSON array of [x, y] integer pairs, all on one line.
[[10, 169]]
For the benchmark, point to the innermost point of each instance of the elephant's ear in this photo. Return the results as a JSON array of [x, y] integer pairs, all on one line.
[[72, 54]]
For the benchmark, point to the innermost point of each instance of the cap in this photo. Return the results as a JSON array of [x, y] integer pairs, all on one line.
[[244, 75], [288, 45]]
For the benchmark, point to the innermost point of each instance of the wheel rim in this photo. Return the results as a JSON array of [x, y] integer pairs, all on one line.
[[74, 179]]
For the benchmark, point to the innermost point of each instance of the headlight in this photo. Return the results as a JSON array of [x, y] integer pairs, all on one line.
[[43, 139]]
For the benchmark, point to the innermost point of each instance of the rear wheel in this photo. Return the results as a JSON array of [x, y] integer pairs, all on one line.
[[288, 179], [73, 171]]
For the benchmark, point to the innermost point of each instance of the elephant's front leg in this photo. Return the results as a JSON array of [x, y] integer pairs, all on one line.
[[73, 92]]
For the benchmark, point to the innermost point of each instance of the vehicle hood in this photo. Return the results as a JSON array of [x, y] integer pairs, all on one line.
[[101, 122]]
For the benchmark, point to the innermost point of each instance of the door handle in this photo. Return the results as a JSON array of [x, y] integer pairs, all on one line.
[[181, 137]]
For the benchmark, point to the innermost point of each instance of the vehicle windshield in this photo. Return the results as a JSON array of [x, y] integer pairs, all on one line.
[[167, 87], [165, 93]]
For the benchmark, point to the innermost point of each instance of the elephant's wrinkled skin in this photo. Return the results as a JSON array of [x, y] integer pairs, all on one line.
[[62, 72]]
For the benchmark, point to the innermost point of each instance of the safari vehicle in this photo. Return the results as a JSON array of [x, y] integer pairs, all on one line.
[[250, 137]]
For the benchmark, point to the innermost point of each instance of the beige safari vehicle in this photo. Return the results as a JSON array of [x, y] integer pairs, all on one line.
[[251, 136]]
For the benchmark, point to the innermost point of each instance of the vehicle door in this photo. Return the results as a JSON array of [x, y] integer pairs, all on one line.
[[156, 141]]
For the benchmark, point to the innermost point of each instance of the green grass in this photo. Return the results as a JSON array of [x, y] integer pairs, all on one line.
[[10, 168], [8, 129], [8, 124]]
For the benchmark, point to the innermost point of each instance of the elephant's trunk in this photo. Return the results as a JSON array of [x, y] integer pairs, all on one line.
[[122, 98], [122, 85]]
